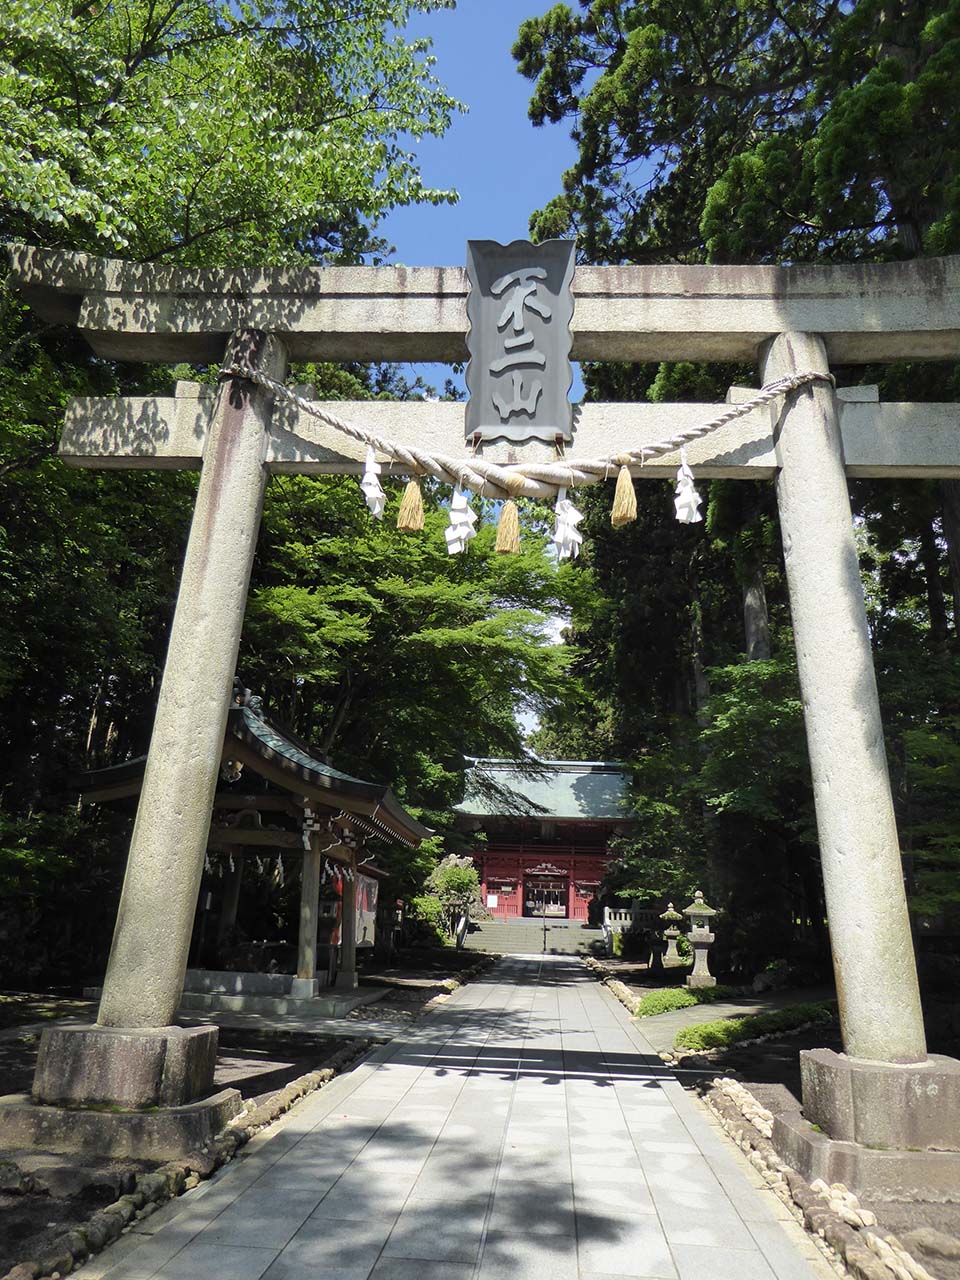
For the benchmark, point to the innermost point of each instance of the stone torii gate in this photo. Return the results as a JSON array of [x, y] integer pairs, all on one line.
[[784, 319]]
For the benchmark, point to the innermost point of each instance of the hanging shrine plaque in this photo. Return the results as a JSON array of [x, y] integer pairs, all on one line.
[[519, 306]]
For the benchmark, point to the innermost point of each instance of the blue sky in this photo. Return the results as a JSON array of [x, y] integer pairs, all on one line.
[[503, 167]]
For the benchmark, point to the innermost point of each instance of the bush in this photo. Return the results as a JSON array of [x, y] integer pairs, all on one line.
[[428, 917], [670, 998], [728, 1031]]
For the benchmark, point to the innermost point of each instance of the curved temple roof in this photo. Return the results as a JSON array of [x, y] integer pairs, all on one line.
[[590, 790], [270, 751]]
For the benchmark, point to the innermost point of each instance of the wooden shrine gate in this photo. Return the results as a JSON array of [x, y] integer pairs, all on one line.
[[809, 442]]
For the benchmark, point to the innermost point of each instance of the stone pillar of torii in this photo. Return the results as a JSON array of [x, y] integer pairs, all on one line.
[[782, 319]]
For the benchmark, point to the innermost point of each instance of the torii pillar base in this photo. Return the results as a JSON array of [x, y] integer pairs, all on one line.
[[885, 1130], [157, 1083], [125, 1067]]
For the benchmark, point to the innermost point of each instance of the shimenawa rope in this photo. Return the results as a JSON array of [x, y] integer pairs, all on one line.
[[521, 479]]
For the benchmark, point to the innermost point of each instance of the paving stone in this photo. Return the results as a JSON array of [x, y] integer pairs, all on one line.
[[518, 1134], [336, 1250], [530, 1209], [355, 1196], [653, 1146], [628, 1193], [507, 1257], [712, 1223], [417, 1269], [147, 1259], [422, 1232], [620, 1245], [623, 1164], [695, 1263], [262, 1218], [217, 1259], [789, 1250]]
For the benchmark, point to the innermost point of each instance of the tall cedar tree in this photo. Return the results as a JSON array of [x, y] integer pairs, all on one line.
[[765, 133]]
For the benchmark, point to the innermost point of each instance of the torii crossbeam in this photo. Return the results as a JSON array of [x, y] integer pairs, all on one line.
[[784, 319]]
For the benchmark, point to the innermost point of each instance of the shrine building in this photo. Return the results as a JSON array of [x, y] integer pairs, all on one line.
[[547, 825]]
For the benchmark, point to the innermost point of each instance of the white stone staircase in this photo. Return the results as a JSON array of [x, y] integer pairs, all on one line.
[[525, 937]]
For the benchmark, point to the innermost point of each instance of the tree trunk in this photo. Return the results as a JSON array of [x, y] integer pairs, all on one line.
[[756, 620], [930, 559], [950, 495]]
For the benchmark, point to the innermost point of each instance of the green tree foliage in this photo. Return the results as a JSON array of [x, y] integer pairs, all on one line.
[[388, 652], [453, 895], [212, 132], [756, 133], [751, 132]]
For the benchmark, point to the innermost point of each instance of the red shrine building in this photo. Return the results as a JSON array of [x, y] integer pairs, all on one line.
[[547, 825]]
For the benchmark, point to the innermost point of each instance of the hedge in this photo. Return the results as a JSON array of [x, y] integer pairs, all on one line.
[[669, 998]]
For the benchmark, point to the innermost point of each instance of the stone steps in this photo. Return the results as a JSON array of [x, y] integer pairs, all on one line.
[[525, 937]]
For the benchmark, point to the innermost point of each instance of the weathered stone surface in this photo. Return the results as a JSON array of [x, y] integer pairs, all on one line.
[[883, 1105], [23, 1271], [148, 957], [929, 1240], [200, 1162], [163, 1066], [872, 1175], [150, 1135], [227, 982], [59, 1260], [168, 432], [873, 958], [866, 312], [327, 1003], [76, 1242], [866, 1266], [14, 1181], [96, 1235]]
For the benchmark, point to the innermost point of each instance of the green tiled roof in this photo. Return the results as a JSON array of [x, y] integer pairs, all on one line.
[[549, 789]]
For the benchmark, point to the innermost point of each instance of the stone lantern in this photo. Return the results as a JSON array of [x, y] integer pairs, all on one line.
[[700, 937], [671, 933]]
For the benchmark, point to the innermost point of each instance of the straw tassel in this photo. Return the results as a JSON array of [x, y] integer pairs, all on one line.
[[624, 500], [410, 517], [508, 529]]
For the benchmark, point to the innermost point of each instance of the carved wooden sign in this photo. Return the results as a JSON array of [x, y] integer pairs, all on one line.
[[520, 307]]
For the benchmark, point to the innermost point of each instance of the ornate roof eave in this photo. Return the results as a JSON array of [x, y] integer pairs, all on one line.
[[254, 740]]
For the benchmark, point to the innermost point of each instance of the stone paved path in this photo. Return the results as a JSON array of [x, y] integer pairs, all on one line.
[[523, 1132]]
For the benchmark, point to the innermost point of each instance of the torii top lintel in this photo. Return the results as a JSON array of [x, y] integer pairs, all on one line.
[[865, 313]]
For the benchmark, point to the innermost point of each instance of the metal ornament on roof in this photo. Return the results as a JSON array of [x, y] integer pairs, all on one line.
[[520, 306]]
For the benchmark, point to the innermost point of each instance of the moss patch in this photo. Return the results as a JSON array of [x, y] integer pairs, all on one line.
[[723, 1032]]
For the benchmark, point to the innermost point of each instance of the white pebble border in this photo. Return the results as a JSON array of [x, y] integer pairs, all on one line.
[[847, 1234]]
